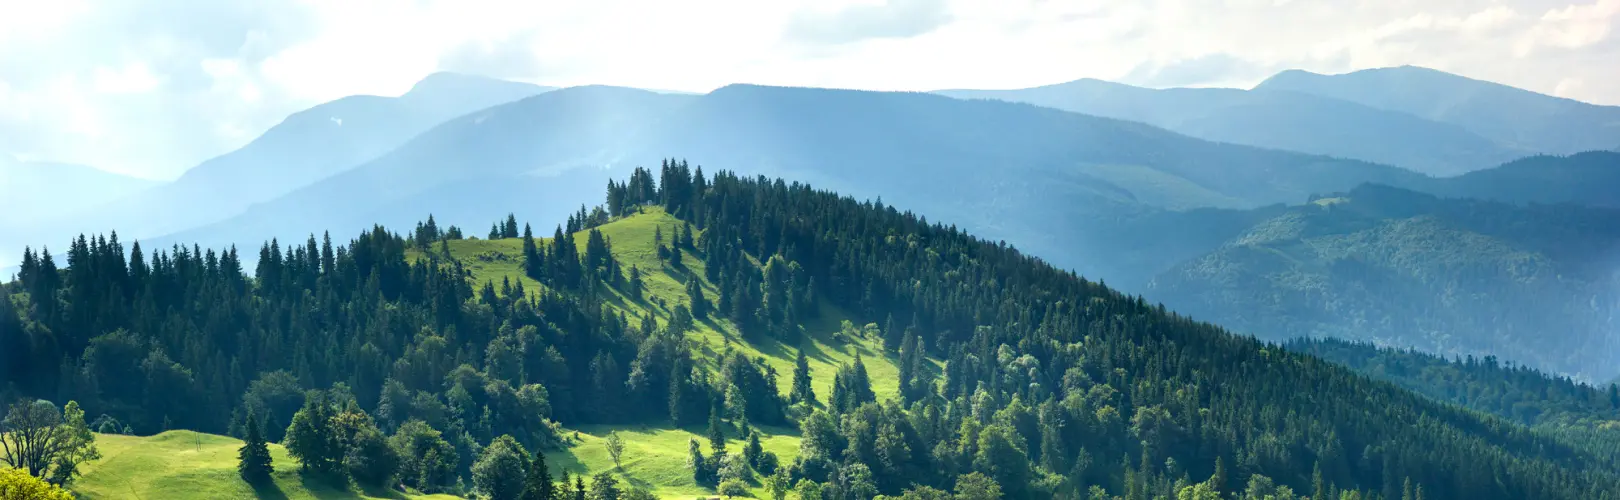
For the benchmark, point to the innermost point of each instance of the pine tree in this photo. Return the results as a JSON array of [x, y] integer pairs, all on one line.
[[677, 392], [254, 462], [537, 484], [700, 303], [635, 282], [533, 263], [717, 432], [802, 392]]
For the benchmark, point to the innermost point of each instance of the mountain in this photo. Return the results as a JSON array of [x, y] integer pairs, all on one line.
[[1584, 178], [1513, 117], [33, 187], [749, 315], [307, 146], [1036, 177], [1277, 119], [1536, 284]]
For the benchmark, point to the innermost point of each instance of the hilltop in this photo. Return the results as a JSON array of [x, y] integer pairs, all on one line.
[[1052, 385]]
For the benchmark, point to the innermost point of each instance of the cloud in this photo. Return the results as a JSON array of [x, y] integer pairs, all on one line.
[[153, 87], [884, 19]]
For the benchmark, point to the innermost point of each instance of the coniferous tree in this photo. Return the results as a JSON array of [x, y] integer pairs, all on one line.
[[700, 303], [801, 391], [533, 262], [537, 484], [717, 432], [636, 285], [510, 229], [253, 458]]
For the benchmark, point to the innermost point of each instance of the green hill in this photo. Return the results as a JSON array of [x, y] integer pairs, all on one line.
[[633, 245]]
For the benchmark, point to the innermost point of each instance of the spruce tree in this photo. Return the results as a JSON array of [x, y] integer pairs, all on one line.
[[254, 462], [717, 432], [802, 392], [537, 485]]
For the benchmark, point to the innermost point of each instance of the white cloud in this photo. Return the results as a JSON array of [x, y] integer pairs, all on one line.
[[155, 87]]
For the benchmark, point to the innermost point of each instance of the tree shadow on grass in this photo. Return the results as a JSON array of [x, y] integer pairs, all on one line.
[[268, 490]]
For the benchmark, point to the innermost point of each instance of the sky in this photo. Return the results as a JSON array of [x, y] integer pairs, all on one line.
[[153, 87]]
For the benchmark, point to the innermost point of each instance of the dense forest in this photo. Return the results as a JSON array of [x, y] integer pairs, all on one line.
[[382, 368], [1581, 414]]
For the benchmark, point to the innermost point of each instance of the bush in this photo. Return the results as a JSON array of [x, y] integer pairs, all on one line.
[[733, 488], [18, 485]]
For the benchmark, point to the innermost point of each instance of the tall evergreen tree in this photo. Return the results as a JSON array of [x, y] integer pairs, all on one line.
[[537, 484], [253, 458], [801, 391]]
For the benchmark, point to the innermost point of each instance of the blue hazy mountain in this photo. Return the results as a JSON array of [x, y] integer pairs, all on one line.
[[27, 187], [1034, 176], [1278, 119], [307, 146], [1511, 116]]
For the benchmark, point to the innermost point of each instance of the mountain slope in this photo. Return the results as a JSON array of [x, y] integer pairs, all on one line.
[[305, 147], [1514, 117], [1534, 284], [1053, 384], [1033, 176], [1274, 119], [548, 150], [1584, 179]]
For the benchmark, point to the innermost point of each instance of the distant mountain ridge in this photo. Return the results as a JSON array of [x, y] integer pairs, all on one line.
[[1009, 171], [28, 188], [1278, 119], [1511, 116], [305, 147]]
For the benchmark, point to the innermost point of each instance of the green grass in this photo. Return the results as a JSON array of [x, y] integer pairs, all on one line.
[[655, 457], [180, 465], [633, 243]]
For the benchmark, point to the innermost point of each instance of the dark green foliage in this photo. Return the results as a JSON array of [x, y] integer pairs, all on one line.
[[537, 484], [501, 470], [604, 487], [313, 440], [253, 459], [801, 391], [427, 461]]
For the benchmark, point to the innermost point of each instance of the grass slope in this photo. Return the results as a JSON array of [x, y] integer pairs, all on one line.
[[656, 456], [179, 465]]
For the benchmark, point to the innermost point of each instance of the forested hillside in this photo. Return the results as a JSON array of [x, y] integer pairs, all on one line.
[[1535, 284], [1582, 414], [1052, 386]]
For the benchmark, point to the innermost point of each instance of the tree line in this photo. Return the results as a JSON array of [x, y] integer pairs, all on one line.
[[1051, 386]]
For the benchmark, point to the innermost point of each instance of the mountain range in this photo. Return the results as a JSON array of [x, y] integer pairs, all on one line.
[[1133, 186], [1425, 120], [305, 147]]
